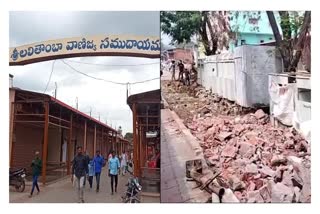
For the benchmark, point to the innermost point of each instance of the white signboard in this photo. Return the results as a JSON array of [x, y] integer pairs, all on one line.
[[107, 45]]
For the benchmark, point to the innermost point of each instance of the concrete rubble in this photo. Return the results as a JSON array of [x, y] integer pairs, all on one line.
[[259, 163]]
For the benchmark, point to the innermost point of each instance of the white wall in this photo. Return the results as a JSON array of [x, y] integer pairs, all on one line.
[[301, 103], [303, 100], [218, 74], [241, 76]]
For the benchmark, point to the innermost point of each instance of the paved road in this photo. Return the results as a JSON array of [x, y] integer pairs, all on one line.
[[175, 151], [63, 192]]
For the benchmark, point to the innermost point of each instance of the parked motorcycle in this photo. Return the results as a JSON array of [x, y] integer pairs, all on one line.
[[17, 179], [133, 189]]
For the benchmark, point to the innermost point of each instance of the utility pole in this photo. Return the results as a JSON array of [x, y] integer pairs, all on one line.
[[77, 103], [127, 85], [55, 91], [90, 111]]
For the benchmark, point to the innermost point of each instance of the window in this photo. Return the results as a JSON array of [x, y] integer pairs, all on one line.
[[261, 41], [270, 38], [304, 95], [243, 41], [253, 21]]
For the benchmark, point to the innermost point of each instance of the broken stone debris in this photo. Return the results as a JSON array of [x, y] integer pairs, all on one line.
[[259, 114], [251, 168], [229, 197], [272, 164], [229, 151], [281, 193], [277, 160]]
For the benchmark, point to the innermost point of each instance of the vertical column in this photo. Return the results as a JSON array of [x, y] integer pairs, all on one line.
[[135, 150], [112, 140], [115, 140], [107, 142], [12, 116], [45, 142], [102, 145], [85, 136], [143, 146], [139, 149], [69, 145], [95, 139]]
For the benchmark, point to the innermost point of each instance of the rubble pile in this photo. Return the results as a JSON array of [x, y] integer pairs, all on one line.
[[187, 101], [259, 163]]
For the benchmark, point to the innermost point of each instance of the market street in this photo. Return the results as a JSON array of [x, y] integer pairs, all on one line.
[[63, 192]]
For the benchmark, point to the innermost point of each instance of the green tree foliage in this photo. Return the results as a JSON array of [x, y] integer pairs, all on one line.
[[180, 25], [295, 28], [128, 136], [210, 26]]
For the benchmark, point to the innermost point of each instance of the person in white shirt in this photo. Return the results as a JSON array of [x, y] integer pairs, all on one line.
[[124, 163], [173, 70]]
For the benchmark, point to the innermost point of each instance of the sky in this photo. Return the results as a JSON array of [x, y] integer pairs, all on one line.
[[105, 99]]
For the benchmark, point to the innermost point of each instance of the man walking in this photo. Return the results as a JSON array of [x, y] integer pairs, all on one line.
[[79, 170], [124, 163], [91, 168], [98, 162], [36, 166], [114, 167]]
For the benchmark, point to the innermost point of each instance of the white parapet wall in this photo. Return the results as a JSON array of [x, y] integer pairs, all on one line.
[[290, 101], [242, 75]]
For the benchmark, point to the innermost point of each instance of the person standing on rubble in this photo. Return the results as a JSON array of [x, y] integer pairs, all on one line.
[[181, 70], [173, 70], [78, 172], [194, 73], [187, 77]]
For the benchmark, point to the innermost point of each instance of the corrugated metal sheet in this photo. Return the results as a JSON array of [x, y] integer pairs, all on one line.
[[26, 141]]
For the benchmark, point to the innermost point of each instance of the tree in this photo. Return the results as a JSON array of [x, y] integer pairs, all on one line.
[[212, 27], [295, 29], [180, 25], [128, 136]]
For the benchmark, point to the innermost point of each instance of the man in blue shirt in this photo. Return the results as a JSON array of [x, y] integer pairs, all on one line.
[[114, 166], [98, 162]]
